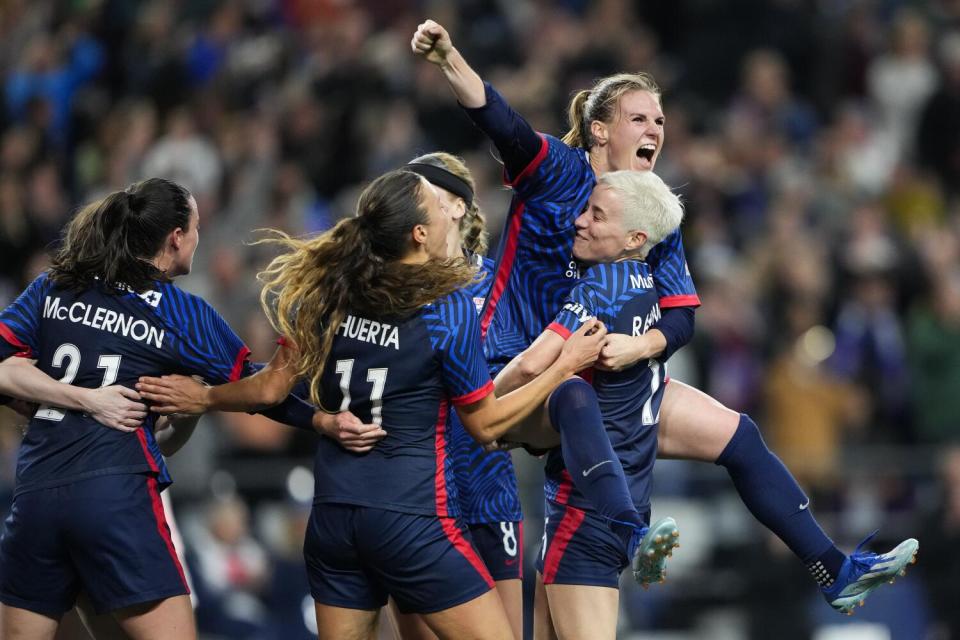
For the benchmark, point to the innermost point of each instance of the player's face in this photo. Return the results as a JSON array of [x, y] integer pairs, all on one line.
[[439, 219], [635, 136], [601, 236], [456, 208], [183, 260]]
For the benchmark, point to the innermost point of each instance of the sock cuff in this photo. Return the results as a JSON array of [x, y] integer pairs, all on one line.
[[561, 393], [747, 428]]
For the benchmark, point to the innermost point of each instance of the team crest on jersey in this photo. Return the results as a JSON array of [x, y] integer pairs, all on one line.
[[152, 298], [478, 303]]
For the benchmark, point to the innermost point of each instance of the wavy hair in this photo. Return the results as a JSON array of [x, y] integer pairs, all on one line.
[[355, 267]]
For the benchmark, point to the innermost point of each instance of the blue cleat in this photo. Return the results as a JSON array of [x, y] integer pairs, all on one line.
[[650, 548], [863, 571]]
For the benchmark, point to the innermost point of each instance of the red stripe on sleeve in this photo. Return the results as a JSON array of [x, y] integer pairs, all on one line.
[[242, 356], [687, 300], [559, 329], [474, 396], [7, 334], [530, 168]]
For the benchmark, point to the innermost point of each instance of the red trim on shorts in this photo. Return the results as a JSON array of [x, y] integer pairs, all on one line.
[[520, 544], [440, 453], [566, 486], [503, 267], [475, 395], [242, 356], [164, 529], [687, 300], [530, 168], [466, 549], [572, 518], [142, 438], [7, 334], [560, 330]]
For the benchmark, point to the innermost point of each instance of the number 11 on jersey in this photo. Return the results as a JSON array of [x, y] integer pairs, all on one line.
[[377, 377]]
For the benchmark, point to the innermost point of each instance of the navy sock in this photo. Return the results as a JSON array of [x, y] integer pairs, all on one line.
[[589, 457], [775, 499]]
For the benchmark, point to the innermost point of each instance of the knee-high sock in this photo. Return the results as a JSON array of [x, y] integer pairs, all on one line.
[[773, 496], [589, 456]]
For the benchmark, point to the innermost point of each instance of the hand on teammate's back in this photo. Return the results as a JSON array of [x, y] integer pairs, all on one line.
[[583, 347], [117, 407], [348, 430], [174, 394]]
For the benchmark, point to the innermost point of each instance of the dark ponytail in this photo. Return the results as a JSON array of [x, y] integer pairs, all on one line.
[[114, 239]]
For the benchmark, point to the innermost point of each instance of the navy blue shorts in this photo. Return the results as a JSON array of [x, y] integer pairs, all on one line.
[[358, 556], [500, 545], [579, 547], [106, 535]]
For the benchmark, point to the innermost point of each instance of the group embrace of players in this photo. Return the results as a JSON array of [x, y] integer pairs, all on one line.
[[419, 360]]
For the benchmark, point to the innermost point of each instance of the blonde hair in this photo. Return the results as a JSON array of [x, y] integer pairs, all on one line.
[[355, 267], [648, 204], [473, 224], [601, 103]]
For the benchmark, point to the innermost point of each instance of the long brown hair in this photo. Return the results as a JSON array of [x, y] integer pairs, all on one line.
[[473, 224], [114, 238], [601, 102], [354, 267]]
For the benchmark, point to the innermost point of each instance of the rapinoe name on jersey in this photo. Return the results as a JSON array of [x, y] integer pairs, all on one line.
[[366, 330], [641, 325], [104, 320]]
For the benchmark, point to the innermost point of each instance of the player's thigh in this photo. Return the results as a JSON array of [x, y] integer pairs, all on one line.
[[408, 626], [542, 621], [168, 619], [481, 618], [341, 623], [581, 612], [693, 426], [511, 597], [535, 430], [21, 624], [100, 627]]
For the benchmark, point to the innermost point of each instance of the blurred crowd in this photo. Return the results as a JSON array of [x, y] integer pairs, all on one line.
[[816, 146]]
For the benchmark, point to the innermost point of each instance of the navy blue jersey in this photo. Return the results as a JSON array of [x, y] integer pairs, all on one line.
[[486, 482], [535, 266], [623, 296], [97, 338], [403, 374]]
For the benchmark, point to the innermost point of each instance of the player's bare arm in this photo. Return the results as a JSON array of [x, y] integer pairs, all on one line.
[[433, 42], [115, 406]]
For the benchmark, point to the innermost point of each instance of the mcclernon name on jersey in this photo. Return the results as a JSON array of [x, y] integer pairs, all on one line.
[[104, 320]]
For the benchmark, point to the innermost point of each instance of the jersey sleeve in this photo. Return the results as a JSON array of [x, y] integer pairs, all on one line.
[[671, 273], [20, 322], [208, 347], [580, 306], [557, 175], [456, 335]]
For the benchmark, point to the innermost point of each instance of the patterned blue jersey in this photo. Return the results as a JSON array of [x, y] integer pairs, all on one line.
[[403, 374], [624, 297], [97, 338], [535, 266], [486, 482]]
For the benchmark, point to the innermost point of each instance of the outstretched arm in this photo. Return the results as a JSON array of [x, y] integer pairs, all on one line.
[[180, 394], [116, 406]]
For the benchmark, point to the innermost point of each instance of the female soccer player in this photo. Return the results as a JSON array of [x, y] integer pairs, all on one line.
[[619, 124], [380, 327], [581, 559], [86, 511]]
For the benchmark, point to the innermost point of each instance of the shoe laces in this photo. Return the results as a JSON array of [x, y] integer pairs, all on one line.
[[864, 559]]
